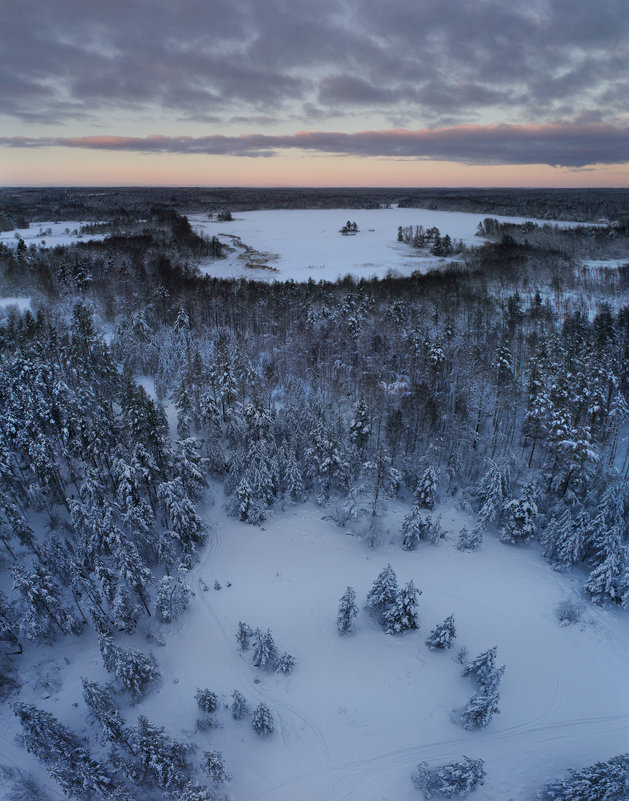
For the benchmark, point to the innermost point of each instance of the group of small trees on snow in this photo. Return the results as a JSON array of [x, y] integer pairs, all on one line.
[[392, 607], [265, 654], [453, 780]]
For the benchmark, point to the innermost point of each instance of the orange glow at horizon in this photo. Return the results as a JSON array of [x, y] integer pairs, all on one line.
[[57, 167]]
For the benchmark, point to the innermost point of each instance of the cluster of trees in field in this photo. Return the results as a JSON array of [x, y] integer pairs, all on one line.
[[489, 383], [420, 237]]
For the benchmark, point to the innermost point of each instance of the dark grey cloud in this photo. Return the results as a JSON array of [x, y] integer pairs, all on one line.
[[219, 59], [560, 144]]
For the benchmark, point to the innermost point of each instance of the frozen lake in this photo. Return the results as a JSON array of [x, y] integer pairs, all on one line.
[[307, 243]]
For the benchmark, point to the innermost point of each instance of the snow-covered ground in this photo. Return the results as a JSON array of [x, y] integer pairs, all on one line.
[[49, 234], [306, 243], [360, 711], [19, 303]]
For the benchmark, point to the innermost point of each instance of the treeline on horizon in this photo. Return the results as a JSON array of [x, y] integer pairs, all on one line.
[[21, 206]]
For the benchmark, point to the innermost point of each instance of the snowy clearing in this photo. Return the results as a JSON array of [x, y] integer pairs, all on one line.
[[50, 234], [307, 243], [360, 711]]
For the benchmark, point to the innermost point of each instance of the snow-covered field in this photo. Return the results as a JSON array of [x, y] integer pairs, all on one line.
[[306, 243], [360, 711], [49, 234]]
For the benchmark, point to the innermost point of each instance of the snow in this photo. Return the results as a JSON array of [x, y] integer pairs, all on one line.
[[19, 303], [360, 711], [304, 244], [49, 234]]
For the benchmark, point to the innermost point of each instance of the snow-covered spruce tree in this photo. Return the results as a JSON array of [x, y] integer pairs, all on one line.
[[426, 489], [480, 709], [243, 634], [347, 611], [246, 505], [135, 671], [133, 668], [520, 515], [43, 613], [207, 701], [492, 492], [214, 765], [383, 594], [360, 429], [156, 757], [564, 538], [453, 780], [262, 720], [483, 669], [239, 707], [402, 615], [442, 636], [173, 597], [470, 540], [412, 529], [602, 781], [285, 664], [265, 653]]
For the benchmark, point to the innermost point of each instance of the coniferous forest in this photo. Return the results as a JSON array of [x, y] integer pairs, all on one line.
[[138, 396]]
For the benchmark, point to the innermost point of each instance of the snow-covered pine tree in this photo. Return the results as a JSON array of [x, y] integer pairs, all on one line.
[[453, 780], [520, 514], [265, 654], [602, 781], [470, 540], [402, 615], [133, 668], [239, 707], [480, 709], [66, 757], [347, 611], [157, 757], [43, 612], [412, 529], [483, 668], [207, 701], [492, 492], [383, 594], [442, 636], [359, 429], [426, 489], [100, 702], [172, 600], [262, 720], [244, 633], [214, 765], [285, 664]]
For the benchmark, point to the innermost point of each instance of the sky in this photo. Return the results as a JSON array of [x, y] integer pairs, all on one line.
[[325, 93]]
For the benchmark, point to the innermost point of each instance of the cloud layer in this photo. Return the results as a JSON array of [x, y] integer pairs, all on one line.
[[567, 145], [417, 62]]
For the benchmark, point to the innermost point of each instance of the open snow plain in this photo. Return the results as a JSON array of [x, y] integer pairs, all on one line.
[[307, 243], [360, 711]]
